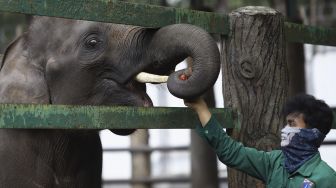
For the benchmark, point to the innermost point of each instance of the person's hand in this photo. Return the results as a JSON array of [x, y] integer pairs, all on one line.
[[197, 104], [200, 106]]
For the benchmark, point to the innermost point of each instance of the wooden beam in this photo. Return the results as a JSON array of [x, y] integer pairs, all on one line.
[[119, 12], [154, 16], [29, 116], [308, 34]]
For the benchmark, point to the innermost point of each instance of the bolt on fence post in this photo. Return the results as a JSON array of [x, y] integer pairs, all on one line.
[[255, 80]]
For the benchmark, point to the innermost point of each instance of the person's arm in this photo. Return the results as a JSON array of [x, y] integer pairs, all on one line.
[[230, 152]]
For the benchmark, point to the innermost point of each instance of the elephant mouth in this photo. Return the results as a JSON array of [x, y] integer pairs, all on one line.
[[137, 95], [138, 86]]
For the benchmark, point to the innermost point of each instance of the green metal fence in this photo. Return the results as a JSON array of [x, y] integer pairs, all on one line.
[[102, 117], [93, 117], [119, 12], [142, 15]]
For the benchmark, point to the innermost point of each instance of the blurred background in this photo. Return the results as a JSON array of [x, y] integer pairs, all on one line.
[[169, 153]]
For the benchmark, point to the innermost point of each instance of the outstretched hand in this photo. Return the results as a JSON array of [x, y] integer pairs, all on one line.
[[197, 104], [201, 108]]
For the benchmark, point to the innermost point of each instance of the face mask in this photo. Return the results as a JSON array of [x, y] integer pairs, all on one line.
[[287, 134], [299, 145]]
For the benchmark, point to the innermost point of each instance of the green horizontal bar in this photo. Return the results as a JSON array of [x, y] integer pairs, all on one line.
[[309, 34], [29, 116], [119, 12], [154, 16]]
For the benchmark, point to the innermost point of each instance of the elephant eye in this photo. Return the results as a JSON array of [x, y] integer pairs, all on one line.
[[92, 43]]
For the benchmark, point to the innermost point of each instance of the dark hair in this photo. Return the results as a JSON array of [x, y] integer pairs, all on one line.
[[316, 113]]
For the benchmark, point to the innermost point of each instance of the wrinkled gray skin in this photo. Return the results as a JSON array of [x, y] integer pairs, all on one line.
[[59, 61]]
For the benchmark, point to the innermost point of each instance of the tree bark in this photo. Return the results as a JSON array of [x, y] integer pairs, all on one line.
[[140, 161], [255, 79]]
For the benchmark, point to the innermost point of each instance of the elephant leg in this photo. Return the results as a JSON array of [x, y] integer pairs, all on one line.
[[85, 166], [52, 159]]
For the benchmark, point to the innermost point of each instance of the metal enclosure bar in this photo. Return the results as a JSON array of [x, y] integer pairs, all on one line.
[[119, 12], [37, 116], [30, 116], [154, 17], [308, 34]]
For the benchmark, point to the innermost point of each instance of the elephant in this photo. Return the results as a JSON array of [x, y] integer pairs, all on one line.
[[76, 62]]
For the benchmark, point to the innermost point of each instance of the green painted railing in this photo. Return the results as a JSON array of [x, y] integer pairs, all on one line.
[[103, 117], [153, 16], [119, 12], [308, 34], [94, 117], [107, 117]]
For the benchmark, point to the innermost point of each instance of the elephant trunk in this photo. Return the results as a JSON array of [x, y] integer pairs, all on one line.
[[172, 44]]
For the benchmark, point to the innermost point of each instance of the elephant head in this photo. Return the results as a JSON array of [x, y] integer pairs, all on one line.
[[61, 61]]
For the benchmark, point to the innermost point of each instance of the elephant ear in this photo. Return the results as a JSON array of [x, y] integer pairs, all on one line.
[[11, 45], [22, 77]]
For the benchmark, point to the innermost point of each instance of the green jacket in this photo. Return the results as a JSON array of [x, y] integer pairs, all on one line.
[[266, 166]]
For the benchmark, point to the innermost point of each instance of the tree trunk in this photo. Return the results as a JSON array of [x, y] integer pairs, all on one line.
[[296, 68], [255, 79], [313, 18], [222, 6], [141, 164], [295, 54], [295, 51], [204, 169], [140, 160], [209, 5]]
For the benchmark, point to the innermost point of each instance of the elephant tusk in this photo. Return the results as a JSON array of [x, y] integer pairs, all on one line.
[[144, 77]]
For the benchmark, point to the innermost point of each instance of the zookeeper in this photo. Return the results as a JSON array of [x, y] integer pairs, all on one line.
[[297, 165]]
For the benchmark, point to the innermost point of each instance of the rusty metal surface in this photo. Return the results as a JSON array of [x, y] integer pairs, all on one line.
[[103, 117]]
